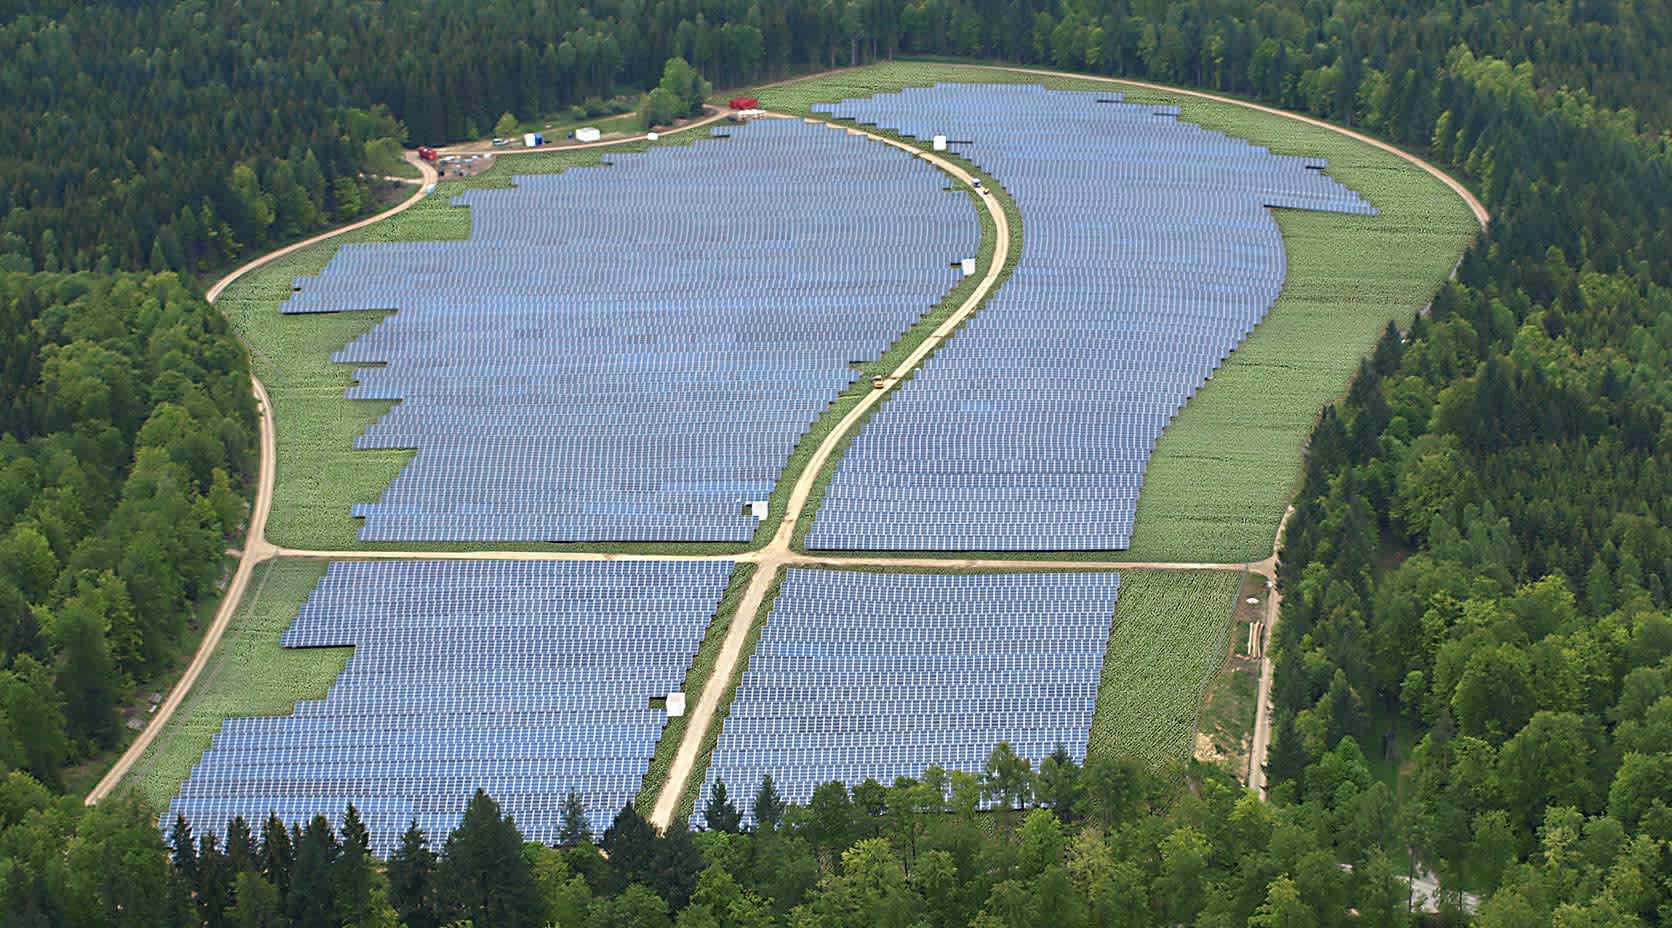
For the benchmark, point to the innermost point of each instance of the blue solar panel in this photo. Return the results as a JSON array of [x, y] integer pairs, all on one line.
[[861, 675], [1149, 254], [630, 353], [526, 679]]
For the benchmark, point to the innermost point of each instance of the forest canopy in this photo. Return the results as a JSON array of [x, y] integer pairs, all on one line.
[[127, 431]]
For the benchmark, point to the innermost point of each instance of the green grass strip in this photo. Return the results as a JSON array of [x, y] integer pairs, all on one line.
[[699, 770]]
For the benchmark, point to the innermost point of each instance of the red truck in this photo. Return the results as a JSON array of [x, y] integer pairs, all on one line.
[[743, 103], [426, 153]]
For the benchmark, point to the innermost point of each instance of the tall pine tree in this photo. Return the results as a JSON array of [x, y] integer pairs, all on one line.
[[412, 881], [483, 872], [574, 828], [720, 814]]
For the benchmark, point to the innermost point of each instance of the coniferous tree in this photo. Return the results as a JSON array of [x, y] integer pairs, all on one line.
[[181, 891], [88, 675], [185, 850], [1059, 783], [1007, 778], [677, 865], [354, 873], [483, 873], [277, 854], [240, 846], [412, 881], [215, 879], [630, 843], [720, 814], [573, 826], [312, 899], [767, 808], [258, 903], [28, 902]]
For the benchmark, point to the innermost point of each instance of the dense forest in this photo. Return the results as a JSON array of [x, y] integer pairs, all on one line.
[[1113, 844], [1474, 661], [1481, 556], [215, 129], [127, 430]]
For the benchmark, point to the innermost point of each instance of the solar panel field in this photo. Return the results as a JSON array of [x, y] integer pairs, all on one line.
[[880, 675], [1345, 277], [567, 383], [527, 679], [1149, 253], [693, 349]]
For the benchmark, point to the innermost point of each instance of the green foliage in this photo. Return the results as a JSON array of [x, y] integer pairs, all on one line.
[[659, 107], [125, 420], [483, 875], [685, 85], [576, 828], [414, 890], [1483, 527], [719, 813]]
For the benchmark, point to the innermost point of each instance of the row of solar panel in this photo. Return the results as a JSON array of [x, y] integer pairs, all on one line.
[[889, 672], [528, 679], [662, 362], [861, 675]]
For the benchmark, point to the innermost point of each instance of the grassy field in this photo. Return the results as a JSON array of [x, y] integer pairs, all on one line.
[[1347, 276], [1225, 731], [1168, 640], [249, 674]]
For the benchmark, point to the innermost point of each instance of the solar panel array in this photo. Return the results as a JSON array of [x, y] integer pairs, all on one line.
[[1149, 254], [881, 675], [631, 353], [526, 679]]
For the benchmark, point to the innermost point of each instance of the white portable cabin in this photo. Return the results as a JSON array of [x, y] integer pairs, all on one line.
[[940, 143], [587, 134]]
